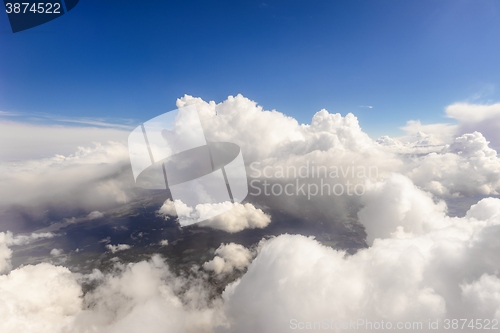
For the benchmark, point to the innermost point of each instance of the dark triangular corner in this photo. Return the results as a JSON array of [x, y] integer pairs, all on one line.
[[28, 19], [70, 4]]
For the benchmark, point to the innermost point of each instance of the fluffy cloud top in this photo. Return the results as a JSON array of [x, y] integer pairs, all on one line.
[[449, 270], [234, 217], [118, 247], [467, 166], [265, 134], [137, 297], [229, 257], [56, 252], [239, 217], [415, 210], [41, 298], [95, 215]]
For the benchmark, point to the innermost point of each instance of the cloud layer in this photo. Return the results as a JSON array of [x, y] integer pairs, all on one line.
[[420, 265]]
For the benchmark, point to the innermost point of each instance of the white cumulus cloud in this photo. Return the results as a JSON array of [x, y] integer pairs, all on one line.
[[229, 257], [118, 247]]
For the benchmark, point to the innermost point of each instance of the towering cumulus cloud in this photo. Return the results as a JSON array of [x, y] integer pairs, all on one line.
[[421, 268]]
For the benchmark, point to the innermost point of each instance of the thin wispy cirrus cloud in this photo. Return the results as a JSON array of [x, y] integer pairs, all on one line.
[[8, 114], [47, 118], [94, 122]]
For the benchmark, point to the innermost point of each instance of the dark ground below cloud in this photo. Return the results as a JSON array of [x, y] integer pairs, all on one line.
[[137, 224], [84, 241]]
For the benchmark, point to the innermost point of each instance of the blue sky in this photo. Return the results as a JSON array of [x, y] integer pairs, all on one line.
[[119, 60]]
